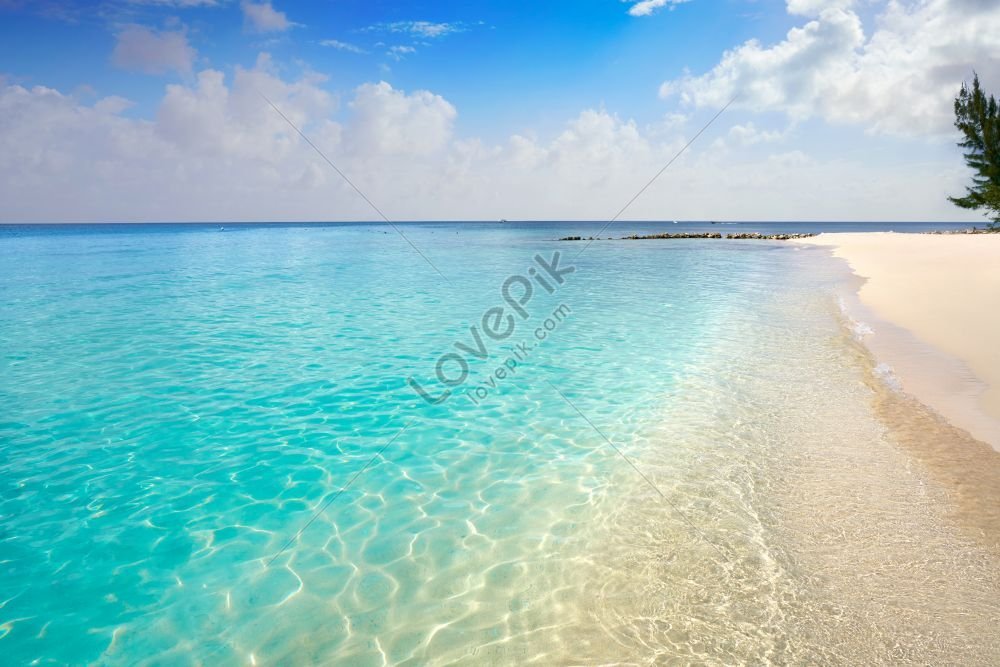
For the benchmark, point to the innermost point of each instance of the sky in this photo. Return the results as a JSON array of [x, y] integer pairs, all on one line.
[[168, 110]]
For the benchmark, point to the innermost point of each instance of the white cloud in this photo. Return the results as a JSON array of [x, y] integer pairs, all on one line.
[[146, 50], [342, 46], [648, 7], [814, 7], [901, 79], [390, 122], [176, 3], [749, 134], [211, 118], [400, 52], [424, 29], [216, 151], [263, 17]]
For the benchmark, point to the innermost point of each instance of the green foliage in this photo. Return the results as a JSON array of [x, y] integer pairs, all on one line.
[[978, 119]]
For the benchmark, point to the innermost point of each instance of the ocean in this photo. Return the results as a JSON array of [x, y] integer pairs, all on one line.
[[461, 443]]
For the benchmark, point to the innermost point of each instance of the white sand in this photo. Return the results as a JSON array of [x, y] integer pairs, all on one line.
[[945, 291]]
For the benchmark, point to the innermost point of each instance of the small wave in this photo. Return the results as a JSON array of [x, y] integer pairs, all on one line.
[[858, 328], [885, 373]]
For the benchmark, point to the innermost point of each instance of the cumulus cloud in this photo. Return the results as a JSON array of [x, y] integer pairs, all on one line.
[[214, 150], [263, 17], [143, 49], [900, 78], [391, 122], [648, 7], [749, 134], [814, 7], [232, 121]]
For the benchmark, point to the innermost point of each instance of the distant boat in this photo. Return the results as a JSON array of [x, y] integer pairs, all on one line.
[[502, 220], [675, 222]]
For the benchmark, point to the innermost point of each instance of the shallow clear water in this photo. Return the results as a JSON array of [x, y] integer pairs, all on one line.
[[179, 403]]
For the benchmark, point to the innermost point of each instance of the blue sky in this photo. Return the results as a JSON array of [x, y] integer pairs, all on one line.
[[505, 64], [512, 101]]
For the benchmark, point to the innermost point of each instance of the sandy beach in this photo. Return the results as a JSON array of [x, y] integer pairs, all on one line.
[[931, 304]]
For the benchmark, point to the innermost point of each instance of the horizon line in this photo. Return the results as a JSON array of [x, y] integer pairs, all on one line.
[[479, 221]]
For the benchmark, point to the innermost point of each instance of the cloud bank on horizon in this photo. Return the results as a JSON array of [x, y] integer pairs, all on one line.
[[843, 112]]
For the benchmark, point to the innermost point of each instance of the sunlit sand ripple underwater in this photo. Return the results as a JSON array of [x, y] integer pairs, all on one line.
[[693, 466]]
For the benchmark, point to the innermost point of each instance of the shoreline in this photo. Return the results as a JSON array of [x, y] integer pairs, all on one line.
[[923, 310]]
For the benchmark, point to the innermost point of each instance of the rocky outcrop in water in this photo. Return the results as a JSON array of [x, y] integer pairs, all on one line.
[[768, 237], [974, 230], [678, 235], [697, 235]]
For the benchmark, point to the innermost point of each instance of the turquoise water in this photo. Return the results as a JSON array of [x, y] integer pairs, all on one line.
[[179, 405]]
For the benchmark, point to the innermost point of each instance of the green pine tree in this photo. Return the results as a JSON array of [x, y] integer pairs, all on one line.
[[978, 119]]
